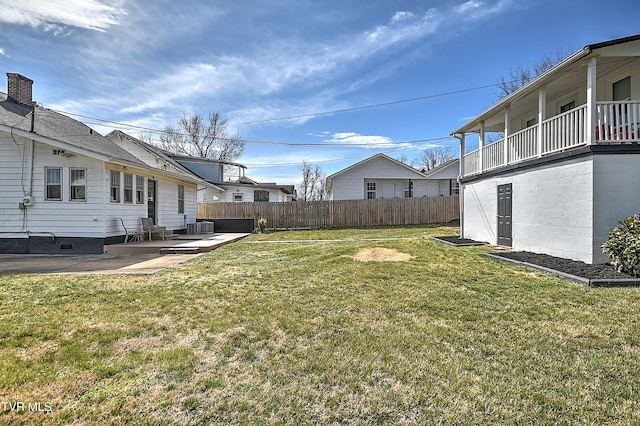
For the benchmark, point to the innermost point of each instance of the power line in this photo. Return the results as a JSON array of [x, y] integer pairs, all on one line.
[[337, 111]]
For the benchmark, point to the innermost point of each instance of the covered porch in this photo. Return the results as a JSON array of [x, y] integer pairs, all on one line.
[[589, 98]]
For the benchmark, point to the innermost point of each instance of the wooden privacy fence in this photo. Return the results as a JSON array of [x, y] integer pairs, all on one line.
[[339, 214]]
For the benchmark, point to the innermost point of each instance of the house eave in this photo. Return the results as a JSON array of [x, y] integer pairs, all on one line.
[[53, 142]]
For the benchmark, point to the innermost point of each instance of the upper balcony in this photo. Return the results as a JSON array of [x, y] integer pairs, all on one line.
[[615, 123], [590, 98]]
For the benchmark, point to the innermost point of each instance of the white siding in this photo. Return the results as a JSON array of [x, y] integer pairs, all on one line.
[[552, 209], [62, 218], [167, 213], [350, 185], [13, 179], [275, 195]]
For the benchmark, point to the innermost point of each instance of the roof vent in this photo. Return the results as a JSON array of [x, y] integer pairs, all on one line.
[[19, 88]]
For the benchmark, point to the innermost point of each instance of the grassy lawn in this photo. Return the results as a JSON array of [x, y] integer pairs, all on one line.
[[264, 332]]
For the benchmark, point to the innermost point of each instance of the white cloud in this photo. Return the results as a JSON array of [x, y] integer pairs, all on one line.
[[362, 141], [474, 10], [52, 14], [2, 53]]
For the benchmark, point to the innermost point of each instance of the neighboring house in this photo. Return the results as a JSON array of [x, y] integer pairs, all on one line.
[[64, 186], [229, 182], [381, 176], [570, 166]]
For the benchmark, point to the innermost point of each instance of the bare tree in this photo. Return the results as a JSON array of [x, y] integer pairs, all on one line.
[[521, 76], [433, 157], [313, 184], [403, 159], [194, 136]]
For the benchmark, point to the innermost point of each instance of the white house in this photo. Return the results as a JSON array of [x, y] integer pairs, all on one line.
[[63, 187], [381, 176], [567, 166], [228, 182]]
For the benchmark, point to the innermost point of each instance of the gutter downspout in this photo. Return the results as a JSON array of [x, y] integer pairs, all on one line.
[[461, 138]]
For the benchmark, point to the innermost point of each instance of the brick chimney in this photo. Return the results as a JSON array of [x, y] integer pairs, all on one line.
[[19, 88]]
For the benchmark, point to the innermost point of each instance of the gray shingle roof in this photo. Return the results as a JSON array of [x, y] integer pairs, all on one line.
[[59, 127]]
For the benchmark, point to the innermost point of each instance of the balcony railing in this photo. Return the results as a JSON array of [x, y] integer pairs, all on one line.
[[616, 122]]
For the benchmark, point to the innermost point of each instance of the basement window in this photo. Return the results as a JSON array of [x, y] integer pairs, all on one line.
[[53, 183]]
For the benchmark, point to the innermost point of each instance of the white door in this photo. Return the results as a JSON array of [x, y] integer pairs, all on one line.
[[388, 190]]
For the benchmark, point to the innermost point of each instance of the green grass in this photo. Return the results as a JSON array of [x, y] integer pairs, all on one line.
[[263, 332]]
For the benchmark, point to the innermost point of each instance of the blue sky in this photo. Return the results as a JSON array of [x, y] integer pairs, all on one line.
[[143, 63]]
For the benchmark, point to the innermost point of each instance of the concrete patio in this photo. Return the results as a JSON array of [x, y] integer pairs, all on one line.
[[184, 244]]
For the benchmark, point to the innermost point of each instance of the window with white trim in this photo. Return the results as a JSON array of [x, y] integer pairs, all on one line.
[[237, 196], [114, 187], [53, 183], [568, 106], [128, 188], [77, 184], [454, 187], [180, 199], [371, 190], [139, 189]]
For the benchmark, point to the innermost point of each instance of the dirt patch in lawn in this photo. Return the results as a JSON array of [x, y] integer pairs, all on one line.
[[378, 254]]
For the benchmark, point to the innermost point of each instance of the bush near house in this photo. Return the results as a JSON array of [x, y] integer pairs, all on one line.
[[623, 245]]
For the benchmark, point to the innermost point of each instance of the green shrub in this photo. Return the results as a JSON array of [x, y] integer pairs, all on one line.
[[623, 245], [262, 224]]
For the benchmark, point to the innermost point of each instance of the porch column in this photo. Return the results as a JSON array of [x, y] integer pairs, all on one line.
[[542, 106], [462, 150], [592, 112], [480, 145], [507, 119]]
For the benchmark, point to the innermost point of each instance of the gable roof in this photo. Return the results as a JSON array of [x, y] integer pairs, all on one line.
[[60, 131], [550, 74], [373, 157], [443, 169]]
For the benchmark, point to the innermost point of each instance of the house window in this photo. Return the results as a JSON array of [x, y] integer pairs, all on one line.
[[237, 196], [180, 199], [454, 187], [78, 184], [567, 106], [621, 89], [531, 122], [260, 196], [115, 187], [139, 190], [128, 188], [371, 190], [53, 183]]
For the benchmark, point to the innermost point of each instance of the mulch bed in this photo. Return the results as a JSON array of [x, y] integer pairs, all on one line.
[[457, 241], [597, 275]]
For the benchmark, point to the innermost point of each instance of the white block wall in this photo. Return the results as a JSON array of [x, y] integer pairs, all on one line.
[[552, 209], [617, 195]]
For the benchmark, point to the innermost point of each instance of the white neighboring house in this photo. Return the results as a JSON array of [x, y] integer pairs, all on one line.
[[64, 186], [381, 176], [228, 182], [568, 165]]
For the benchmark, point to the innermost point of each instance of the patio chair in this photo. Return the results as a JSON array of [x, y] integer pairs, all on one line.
[[148, 226], [131, 234]]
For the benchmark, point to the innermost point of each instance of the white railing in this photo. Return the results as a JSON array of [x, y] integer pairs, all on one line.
[[523, 144], [566, 130], [617, 122], [561, 132], [471, 162], [493, 155]]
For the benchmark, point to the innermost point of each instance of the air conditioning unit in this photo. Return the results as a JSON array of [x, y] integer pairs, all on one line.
[[27, 200]]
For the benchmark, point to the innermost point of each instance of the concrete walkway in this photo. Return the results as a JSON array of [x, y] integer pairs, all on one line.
[[131, 258]]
